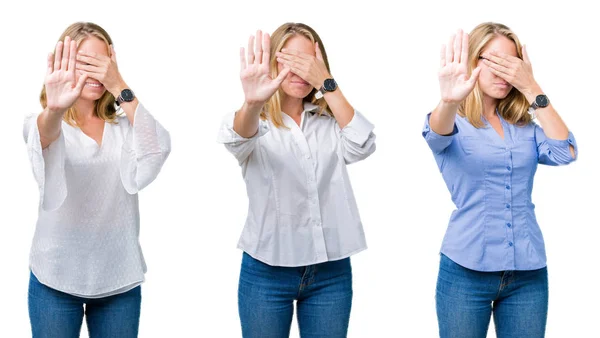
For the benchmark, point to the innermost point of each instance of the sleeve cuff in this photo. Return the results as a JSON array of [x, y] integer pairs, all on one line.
[[358, 129], [229, 136]]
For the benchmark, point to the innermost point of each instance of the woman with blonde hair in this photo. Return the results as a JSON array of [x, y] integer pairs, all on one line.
[[293, 138], [487, 147], [89, 161]]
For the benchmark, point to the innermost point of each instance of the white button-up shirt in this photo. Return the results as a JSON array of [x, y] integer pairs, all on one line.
[[86, 238], [302, 209]]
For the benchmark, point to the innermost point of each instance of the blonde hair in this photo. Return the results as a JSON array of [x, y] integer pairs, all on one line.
[[280, 36], [105, 105], [513, 108]]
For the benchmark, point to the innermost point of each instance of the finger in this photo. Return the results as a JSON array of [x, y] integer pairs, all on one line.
[[458, 46], [296, 64], [113, 55], [89, 60], [296, 53], [93, 55], [50, 63], [81, 82], [500, 58], [282, 74], [464, 57], [250, 49], [72, 56], [525, 55], [449, 50], [258, 52], [474, 76], [318, 51], [88, 68], [266, 47], [64, 62], [499, 74], [498, 67], [443, 56], [58, 55], [242, 58]]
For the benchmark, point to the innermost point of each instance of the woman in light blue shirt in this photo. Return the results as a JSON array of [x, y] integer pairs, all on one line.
[[487, 147]]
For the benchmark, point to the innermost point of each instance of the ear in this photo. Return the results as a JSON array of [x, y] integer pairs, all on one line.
[[113, 55], [318, 52]]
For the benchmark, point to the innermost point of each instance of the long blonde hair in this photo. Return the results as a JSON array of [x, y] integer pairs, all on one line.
[[513, 108], [105, 105], [281, 35]]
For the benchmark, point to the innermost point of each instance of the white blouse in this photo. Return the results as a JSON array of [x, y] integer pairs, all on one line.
[[86, 238], [302, 209]]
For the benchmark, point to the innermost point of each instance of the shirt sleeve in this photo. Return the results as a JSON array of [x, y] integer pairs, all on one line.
[[145, 150], [436, 142], [48, 165], [240, 147], [357, 139], [554, 152]]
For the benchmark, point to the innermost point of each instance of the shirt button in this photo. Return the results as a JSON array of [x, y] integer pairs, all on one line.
[[508, 206], [508, 225], [508, 187], [508, 168], [307, 156], [510, 243]]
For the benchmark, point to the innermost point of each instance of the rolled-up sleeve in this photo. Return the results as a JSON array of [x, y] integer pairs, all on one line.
[[357, 139], [437, 143], [48, 165], [145, 150], [554, 152], [240, 147]]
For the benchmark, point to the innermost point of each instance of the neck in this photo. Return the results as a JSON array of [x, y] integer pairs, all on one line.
[[85, 110], [291, 106], [489, 107]]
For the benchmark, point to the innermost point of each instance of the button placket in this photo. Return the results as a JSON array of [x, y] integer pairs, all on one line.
[[508, 207]]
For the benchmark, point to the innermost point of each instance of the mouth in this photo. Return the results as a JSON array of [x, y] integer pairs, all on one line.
[[502, 85], [94, 85], [300, 83]]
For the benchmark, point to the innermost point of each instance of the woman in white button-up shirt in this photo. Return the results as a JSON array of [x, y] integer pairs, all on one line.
[[293, 138], [89, 161]]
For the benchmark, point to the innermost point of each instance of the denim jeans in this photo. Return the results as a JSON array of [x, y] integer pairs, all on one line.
[[323, 295], [466, 299], [55, 314]]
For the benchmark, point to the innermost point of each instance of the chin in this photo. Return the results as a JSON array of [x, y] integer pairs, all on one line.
[[91, 96]]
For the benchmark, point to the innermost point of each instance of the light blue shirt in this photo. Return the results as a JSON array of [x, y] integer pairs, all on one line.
[[490, 180]]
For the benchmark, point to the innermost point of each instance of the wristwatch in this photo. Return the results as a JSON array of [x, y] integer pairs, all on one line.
[[126, 96], [329, 85], [541, 101]]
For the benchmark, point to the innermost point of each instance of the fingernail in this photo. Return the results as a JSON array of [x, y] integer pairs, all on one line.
[[284, 49]]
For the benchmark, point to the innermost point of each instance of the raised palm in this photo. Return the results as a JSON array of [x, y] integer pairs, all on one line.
[[62, 87], [255, 72], [455, 83]]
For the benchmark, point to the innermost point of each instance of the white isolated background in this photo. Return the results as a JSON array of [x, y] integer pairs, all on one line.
[[182, 60]]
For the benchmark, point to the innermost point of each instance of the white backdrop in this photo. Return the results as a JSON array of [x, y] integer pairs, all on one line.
[[182, 61]]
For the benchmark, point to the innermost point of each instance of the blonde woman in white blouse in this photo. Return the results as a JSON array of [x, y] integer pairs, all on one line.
[[89, 161], [293, 138]]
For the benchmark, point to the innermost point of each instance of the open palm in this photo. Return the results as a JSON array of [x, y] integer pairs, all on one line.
[[257, 82], [62, 87], [455, 83]]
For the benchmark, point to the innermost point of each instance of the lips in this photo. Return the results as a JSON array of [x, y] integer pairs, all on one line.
[[301, 83]]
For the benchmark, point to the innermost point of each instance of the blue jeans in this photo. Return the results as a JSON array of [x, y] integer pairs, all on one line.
[[465, 300], [323, 295], [55, 314]]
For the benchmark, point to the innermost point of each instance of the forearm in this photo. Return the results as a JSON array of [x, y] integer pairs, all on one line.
[[247, 119], [339, 107], [442, 118], [49, 122]]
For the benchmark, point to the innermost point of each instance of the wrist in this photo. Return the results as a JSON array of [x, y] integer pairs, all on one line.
[[531, 92], [251, 106], [56, 110], [117, 89]]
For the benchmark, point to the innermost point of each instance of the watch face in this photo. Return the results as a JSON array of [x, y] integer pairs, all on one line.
[[330, 85], [127, 95], [542, 101]]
